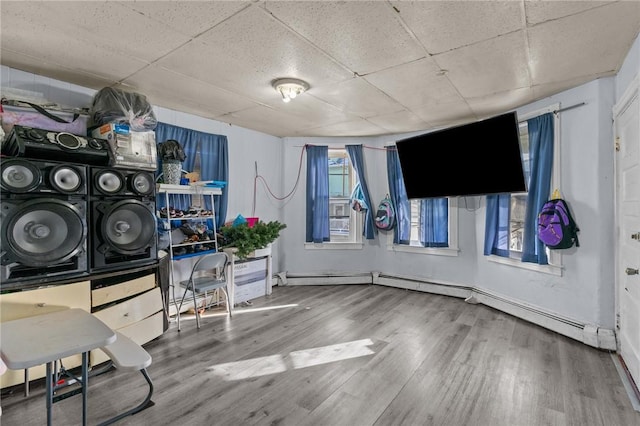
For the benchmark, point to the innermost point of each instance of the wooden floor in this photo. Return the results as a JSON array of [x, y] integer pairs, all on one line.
[[355, 355]]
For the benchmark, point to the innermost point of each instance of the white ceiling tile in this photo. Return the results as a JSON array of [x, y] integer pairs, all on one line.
[[357, 96], [363, 36], [246, 62], [498, 103], [359, 127], [540, 11], [77, 70], [308, 107], [545, 90], [400, 122], [415, 84], [57, 71], [191, 17], [445, 25], [268, 120], [104, 27], [185, 89], [590, 43], [492, 66], [445, 113]]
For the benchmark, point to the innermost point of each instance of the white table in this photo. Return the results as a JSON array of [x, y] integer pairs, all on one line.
[[43, 339]]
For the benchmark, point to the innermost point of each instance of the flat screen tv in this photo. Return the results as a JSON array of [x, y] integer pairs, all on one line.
[[472, 159]]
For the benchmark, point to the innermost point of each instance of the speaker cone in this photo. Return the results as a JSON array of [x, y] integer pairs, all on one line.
[[44, 231], [20, 176], [109, 182], [142, 183], [69, 141], [65, 179], [128, 227]]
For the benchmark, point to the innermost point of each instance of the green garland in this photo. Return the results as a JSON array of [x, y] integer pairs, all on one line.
[[246, 239]]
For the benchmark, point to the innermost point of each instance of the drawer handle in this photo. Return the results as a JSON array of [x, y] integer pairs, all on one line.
[[126, 315], [41, 305]]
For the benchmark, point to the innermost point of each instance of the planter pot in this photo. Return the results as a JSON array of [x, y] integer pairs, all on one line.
[[172, 172], [261, 252]]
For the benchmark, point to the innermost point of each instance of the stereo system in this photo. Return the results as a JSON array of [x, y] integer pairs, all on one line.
[[42, 144], [66, 212]]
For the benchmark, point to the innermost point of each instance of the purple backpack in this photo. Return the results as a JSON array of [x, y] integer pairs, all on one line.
[[556, 227]]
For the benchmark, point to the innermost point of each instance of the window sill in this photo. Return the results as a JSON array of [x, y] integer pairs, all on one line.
[[448, 251], [545, 269], [333, 246]]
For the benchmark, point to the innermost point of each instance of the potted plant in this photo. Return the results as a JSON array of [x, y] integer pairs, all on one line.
[[249, 239], [172, 155]]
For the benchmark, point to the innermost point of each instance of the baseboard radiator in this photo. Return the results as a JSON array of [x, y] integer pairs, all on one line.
[[588, 334]]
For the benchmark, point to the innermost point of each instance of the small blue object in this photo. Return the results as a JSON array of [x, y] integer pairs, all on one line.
[[216, 184], [239, 220]]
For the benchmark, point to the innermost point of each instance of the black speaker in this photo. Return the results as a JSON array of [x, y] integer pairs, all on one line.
[[21, 175], [42, 144], [110, 182], [123, 233], [43, 220], [43, 239]]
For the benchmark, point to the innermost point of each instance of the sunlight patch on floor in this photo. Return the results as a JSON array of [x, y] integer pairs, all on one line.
[[331, 353], [220, 312], [262, 366], [266, 308], [254, 367]]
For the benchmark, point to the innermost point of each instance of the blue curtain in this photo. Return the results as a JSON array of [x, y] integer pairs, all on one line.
[[496, 229], [214, 160], [357, 160], [398, 194], [541, 161], [317, 194], [434, 222], [496, 237]]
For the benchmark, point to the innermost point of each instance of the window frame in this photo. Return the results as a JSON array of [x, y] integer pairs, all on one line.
[[555, 266], [452, 250], [356, 219]]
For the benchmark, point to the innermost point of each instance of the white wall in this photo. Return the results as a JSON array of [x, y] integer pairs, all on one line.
[[585, 290]]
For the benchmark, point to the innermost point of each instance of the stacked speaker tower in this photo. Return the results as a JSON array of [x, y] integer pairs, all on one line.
[[123, 222], [44, 221], [66, 212]]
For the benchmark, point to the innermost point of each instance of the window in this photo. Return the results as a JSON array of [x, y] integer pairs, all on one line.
[[518, 206], [343, 220], [518, 202], [422, 226], [446, 245]]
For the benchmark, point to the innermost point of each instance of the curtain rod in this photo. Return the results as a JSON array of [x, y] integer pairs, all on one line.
[[562, 110], [569, 107]]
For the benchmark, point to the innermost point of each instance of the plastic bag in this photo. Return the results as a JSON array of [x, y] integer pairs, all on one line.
[[118, 106]]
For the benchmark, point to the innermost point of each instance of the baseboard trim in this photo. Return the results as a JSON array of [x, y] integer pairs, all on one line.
[[589, 334]]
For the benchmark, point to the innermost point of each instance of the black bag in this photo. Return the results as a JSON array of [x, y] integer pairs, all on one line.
[[117, 106]]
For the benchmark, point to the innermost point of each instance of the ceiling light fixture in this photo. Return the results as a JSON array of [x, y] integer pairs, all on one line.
[[289, 88]]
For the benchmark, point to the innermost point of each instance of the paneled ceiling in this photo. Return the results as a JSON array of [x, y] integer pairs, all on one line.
[[374, 67]]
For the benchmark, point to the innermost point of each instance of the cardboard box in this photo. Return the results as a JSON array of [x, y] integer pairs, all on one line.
[[131, 149], [250, 279]]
